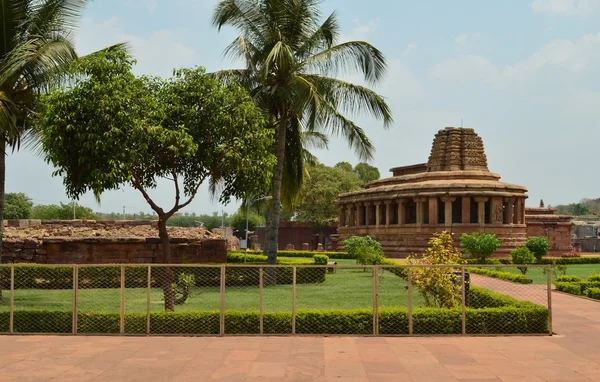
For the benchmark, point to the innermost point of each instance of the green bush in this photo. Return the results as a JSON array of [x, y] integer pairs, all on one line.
[[522, 256], [538, 245], [572, 260], [321, 259], [303, 254], [366, 255], [594, 278], [572, 288], [508, 319], [593, 293], [499, 275], [568, 279], [355, 244], [480, 245]]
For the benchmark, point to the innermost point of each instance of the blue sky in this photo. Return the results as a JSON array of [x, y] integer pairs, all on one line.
[[524, 73]]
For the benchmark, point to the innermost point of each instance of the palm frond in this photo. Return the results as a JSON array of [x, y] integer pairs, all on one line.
[[322, 38], [244, 15], [349, 57], [351, 98]]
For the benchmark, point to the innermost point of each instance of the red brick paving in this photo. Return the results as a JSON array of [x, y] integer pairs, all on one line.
[[572, 355]]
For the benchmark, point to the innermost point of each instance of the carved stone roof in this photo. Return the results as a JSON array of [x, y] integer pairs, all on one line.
[[457, 149]]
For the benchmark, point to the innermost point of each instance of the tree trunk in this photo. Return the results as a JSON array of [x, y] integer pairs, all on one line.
[[167, 277], [2, 181], [272, 232]]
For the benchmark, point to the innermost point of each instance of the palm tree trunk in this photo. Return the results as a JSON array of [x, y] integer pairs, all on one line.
[[272, 232], [2, 184], [167, 277]]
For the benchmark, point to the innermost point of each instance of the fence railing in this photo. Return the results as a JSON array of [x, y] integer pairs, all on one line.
[[213, 300]]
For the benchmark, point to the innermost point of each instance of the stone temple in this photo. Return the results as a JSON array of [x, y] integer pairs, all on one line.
[[454, 191]]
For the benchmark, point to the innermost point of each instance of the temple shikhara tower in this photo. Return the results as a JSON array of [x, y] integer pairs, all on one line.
[[454, 191]]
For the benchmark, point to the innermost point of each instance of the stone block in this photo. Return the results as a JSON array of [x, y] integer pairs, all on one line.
[[305, 247], [290, 247], [320, 248]]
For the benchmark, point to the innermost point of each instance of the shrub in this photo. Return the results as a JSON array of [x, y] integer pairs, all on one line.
[[594, 278], [303, 254], [499, 275], [572, 260], [593, 293], [437, 285], [321, 259], [366, 255], [354, 244], [480, 245], [572, 288], [522, 255], [568, 279], [538, 245]]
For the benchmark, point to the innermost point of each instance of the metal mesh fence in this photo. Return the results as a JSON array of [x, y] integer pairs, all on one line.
[[275, 300]]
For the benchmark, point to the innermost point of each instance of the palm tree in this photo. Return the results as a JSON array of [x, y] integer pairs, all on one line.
[[36, 44], [292, 61]]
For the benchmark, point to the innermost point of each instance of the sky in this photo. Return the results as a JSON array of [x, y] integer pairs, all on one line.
[[525, 74]]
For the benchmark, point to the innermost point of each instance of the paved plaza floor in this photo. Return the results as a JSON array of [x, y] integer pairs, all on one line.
[[572, 355]]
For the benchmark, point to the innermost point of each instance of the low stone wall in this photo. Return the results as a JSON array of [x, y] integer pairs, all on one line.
[[557, 228], [111, 251], [588, 244], [95, 224]]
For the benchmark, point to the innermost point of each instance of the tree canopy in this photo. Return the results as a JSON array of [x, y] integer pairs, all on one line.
[[364, 171], [62, 211], [17, 206], [111, 128]]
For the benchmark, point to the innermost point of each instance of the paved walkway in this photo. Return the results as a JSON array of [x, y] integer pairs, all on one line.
[[573, 355]]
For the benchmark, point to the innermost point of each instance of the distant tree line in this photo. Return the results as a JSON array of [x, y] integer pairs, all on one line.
[[583, 208]]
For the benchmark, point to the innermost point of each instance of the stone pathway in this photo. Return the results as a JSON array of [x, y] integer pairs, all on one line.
[[572, 355]]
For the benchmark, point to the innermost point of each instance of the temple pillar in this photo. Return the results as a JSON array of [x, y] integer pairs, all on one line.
[[433, 210], [466, 209], [496, 210], [420, 201], [377, 214], [508, 212], [518, 212], [353, 216], [368, 213], [401, 212], [342, 215], [448, 210], [388, 213], [360, 214], [481, 210]]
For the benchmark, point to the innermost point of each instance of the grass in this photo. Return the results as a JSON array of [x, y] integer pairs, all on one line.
[[538, 277], [345, 289]]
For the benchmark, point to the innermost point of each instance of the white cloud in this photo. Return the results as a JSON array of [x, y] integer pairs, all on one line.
[[463, 39], [560, 56], [409, 49], [158, 53], [150, 5], [360, 32], [580, 8]]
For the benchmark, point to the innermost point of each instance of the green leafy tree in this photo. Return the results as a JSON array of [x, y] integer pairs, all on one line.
[[364, 249], [538, 245], [17, 206], [480, 245], [36, 42], [522, 256], [320, 192], [62, 211], [366, 173], [238, 222], [132, 131], [344, 166], [438, 286], [292, 63]]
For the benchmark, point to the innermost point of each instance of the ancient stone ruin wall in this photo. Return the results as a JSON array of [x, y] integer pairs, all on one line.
[[557, 228], [105, 242]]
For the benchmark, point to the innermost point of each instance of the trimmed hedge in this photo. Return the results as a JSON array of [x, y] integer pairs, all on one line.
[[501, 320], [303, 254], [571, 260], [593, 293], [518, 278], [568, 279], [576, 288]]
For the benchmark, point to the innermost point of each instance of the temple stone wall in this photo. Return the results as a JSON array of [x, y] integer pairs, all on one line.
[[557, 228]]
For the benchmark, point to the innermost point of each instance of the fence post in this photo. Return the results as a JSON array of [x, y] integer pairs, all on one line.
[[75, 298], [222, 303], [463, 300], [122, 313], [375, 300], [549, 287], [260, 298], [148, 288], [293, 300], [410, 303], [12, 300]]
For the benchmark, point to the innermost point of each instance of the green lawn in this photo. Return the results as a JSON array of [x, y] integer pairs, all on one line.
[[345, 289], [538, 277]]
